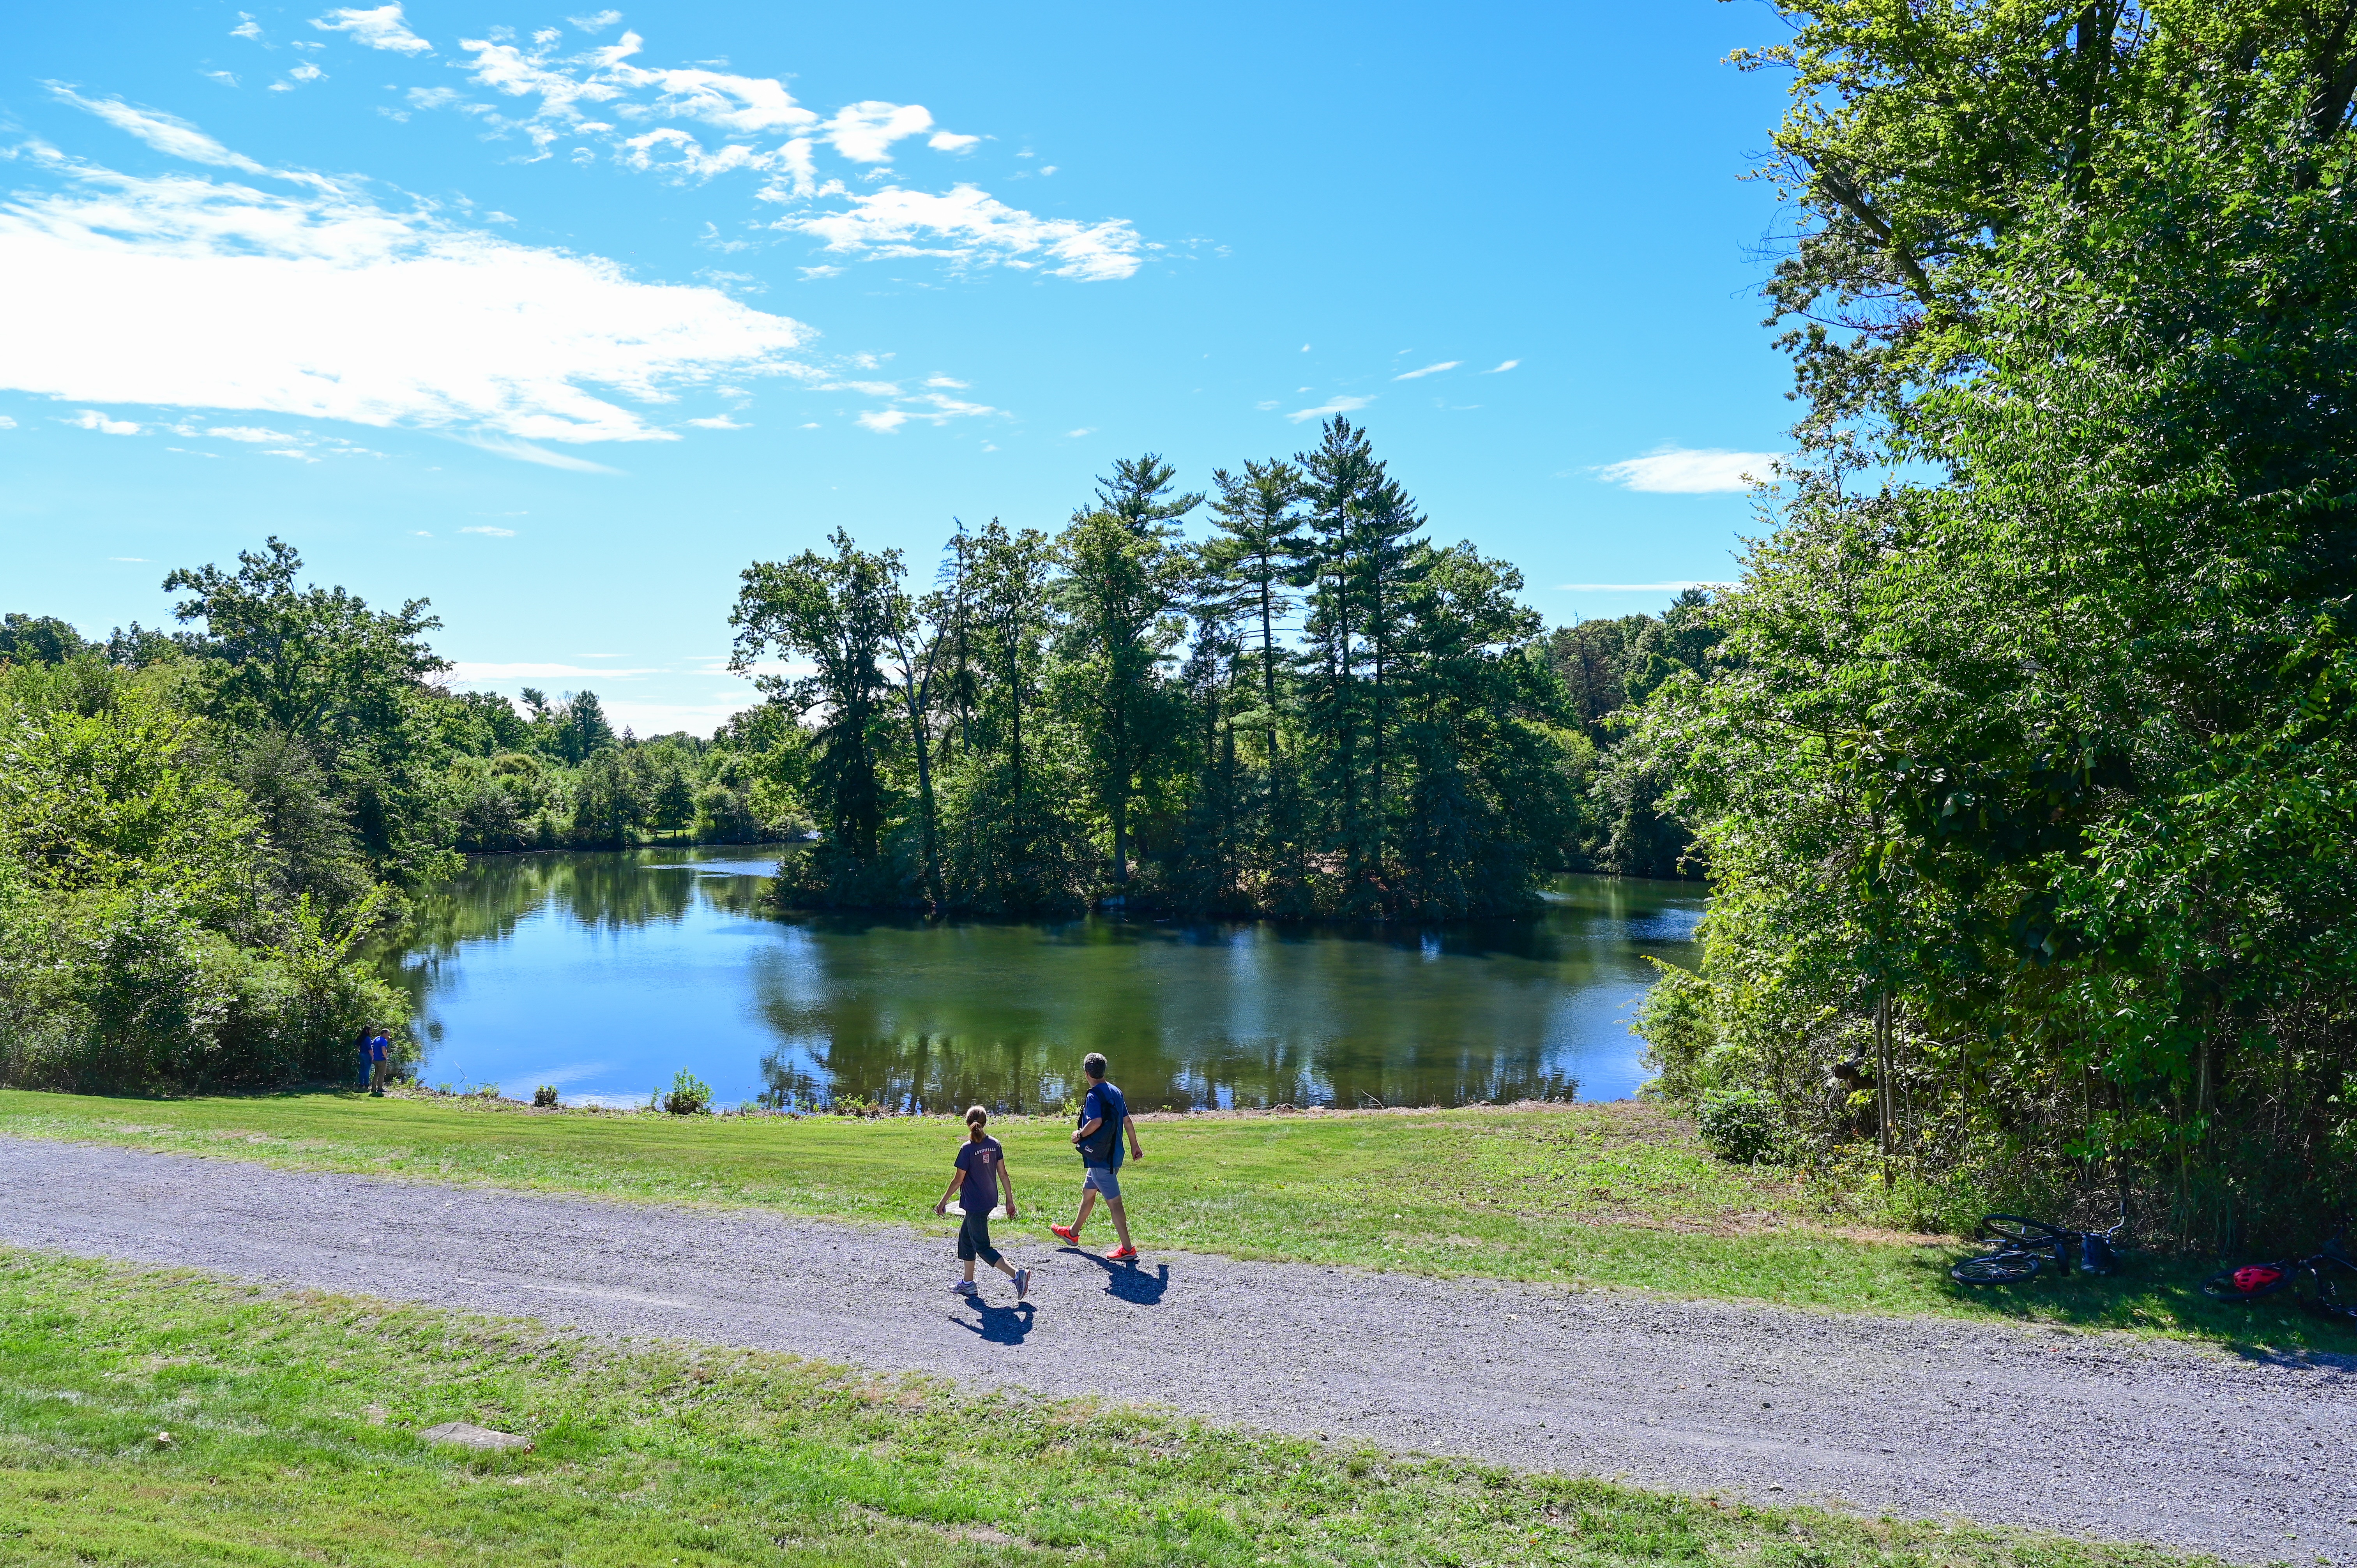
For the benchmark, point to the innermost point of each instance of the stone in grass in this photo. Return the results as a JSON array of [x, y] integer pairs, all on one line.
[[467, 1436]]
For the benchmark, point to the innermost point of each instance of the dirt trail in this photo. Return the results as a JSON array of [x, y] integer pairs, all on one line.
[[2250, 1458]]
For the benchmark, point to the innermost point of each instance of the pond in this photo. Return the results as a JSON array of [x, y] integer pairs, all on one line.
[[606, 974]]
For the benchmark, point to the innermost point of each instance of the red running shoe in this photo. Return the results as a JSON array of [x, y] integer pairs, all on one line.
[[1122, 1255], [1065, 1233]]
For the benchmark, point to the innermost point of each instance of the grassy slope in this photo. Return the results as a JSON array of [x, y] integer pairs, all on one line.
[[291, 1422], [1604, 1195]]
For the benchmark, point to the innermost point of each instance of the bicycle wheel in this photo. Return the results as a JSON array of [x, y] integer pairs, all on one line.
[[2022, 1232], [2005, 1268], [2335, 1294], [2251, 1282]]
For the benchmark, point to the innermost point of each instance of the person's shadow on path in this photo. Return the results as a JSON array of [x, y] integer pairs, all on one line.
[[1128, 1282], [1000, 1324]]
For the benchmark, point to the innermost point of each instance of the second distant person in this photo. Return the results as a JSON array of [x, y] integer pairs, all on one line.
[[1105, 1126]]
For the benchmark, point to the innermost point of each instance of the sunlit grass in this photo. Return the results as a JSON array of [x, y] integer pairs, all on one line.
[[1619, 1195], [154, 1419]]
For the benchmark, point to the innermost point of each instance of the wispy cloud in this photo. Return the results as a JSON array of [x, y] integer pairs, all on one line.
[[470, 671], [167, 134], [968, 226], [7, 423], [90, 419], [526, 452], [1502, 365], [1333, 405], [382, 28], [1631, 587], [190, 292], [1690, 471], [933, 407], [1428, 370], [597, 22], [487, 529], [718, 422]]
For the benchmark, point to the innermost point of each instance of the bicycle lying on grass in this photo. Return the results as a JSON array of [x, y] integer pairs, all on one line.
[[2025, 1246], [2330, 1276]]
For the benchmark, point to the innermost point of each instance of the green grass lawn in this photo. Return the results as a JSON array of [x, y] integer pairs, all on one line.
[[1618, 1194], [175, 1419]]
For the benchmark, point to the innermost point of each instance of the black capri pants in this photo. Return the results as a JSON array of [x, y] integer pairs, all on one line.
[[973, 1240]]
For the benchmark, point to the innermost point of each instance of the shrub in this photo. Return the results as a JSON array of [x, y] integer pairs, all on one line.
[[688, 1095], [544, 1096], [1738, 1125]]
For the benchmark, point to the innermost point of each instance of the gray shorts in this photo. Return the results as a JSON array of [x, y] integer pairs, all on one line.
[[1103, 1178]]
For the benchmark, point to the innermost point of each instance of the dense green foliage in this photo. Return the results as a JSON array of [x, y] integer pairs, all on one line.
[[2027, 785], [196, 830], [1315, 710]]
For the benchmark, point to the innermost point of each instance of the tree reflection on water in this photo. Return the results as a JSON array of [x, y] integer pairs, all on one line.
[[620, 968]]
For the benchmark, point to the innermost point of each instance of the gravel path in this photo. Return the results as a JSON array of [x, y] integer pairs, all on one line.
[[2251, 1458]]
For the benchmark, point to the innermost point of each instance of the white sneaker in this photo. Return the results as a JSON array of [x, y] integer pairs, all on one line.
[[966, 1287], [1022, 1283]]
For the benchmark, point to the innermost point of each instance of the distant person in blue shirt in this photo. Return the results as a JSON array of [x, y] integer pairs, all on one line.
[[1104, 1123], [380, 1056]]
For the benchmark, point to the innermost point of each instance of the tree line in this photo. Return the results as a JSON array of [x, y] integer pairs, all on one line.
[[1310, 711], [2022, 764]]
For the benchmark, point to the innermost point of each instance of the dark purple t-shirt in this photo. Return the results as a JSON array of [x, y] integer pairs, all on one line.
[[980, 1160]]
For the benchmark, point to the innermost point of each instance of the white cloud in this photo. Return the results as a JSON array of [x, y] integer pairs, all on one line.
[[227, 79], [1334, 405], [1428, 370], [601, 95], [90, 419], [247, 27], [597, 22], [190, 292], [882, 421], [1690, 471], [719, 421], [968, 226], [1631, 587], [525, 452], [7, 423], [951, 383], [382, 28], [486, 528], [1502, 365], [1076, 435], [167, 133], [864, 131], [306, 71], [253, 433]]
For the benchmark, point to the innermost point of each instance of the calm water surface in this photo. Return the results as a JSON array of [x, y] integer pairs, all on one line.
[[605, 974]]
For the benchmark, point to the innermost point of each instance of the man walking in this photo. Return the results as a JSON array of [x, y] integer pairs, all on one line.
[[1104, 1124], [380, 1051]]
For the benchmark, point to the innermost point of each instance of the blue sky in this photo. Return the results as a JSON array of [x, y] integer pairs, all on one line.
[[559, 317]]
